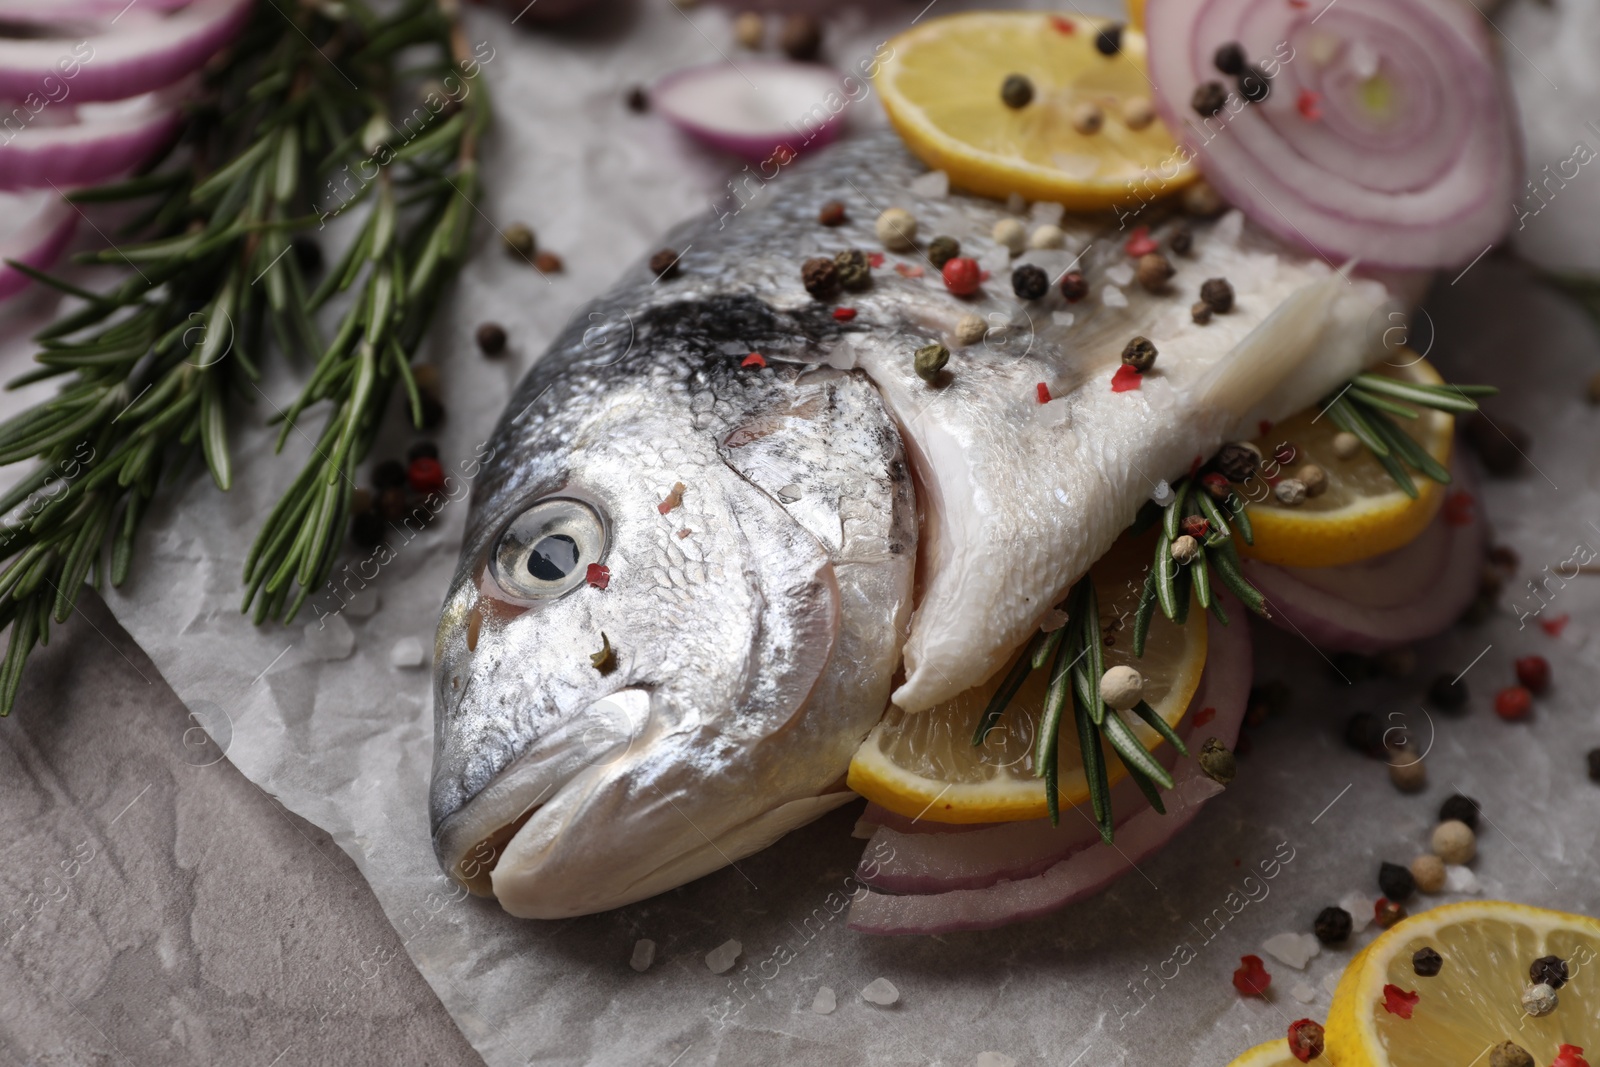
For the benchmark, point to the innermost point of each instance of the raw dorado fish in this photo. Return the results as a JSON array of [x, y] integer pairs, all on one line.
[[689, 579]]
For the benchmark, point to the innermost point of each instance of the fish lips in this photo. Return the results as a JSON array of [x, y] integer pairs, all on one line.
[[468, 842]]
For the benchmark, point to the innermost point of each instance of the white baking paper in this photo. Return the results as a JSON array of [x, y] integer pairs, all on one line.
[[1139, 975]]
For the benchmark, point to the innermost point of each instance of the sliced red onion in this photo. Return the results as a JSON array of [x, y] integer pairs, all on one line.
[[127, 56], [34, 228], [765, 111], [1390, 600], [1003, 874], [94, 143], [62, 12], [1387, 134]]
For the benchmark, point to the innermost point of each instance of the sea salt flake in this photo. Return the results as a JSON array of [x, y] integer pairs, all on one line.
[[1163, 494], [330, 638], [1359, 905], [721, 958], [1063, 318], [935, 185], [1112, 297], [824, 1002], [842, 356], [1294, 949], [363, 604], [880, 991], [644, 954], [1045, 213], [1121, 274], [1460, 880], [1054, 619], [407, 652], [1228, 229], [1303, 992], [994, 1059]]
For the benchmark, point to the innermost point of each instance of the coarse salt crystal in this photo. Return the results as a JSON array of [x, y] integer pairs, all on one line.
[[880, 991], [1054, 619], [1460, 880], [1303, 992], [1229, 228], [407, 652], [1121, 274], [330, 638], [842, 356], [1063, 318], [644, 954], [721, 958], [362, 604], [824, 1002], [1045, 213], [1359, 905], [935, 185], [1295, 949], [1163, 493], [994, 1059], [1112, 297]]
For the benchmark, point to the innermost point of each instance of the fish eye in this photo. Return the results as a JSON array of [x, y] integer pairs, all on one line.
[[545, 552]]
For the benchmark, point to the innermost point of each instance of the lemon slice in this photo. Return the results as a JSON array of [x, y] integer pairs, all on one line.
[[1267, 1054], [925, 765], [1474, 1003], [941, 89], [1363, 513]]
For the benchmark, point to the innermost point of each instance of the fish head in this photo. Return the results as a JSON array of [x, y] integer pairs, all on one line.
[[631, 633]]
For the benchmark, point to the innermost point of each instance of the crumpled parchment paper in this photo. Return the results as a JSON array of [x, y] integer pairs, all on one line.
[[1138, 975]]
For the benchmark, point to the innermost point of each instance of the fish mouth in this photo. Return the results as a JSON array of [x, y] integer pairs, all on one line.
[[470, 841]]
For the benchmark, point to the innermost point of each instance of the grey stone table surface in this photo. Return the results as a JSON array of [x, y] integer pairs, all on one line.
[[159, 908]]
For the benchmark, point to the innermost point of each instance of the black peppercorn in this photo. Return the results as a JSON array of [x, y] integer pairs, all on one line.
[[1109, 41], [392, 504], [1016, 91], [1364, 733], [638, 100], [389, 474], [1182, 241], [942, 250], [1229, 58], [1550, 971], [1426, 962], [1594, 764], [491, 339], [1460, 808], [1140, 354], [1333, 925], [820, 277], [1396, 881], [1200, 312], [432, 412], [1238, 461], [1447, 694], [1218, 293], [1030, 282], [1254, 85], [1209, 98], [855, 272], [422, 450], [366, 529], [802, 38], [1074, 286], [664, 264]]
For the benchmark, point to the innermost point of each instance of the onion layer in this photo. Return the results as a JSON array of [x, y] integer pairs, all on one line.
[[1390, 600], [38, 226], [763, 111], [1386, 135], [983, 878], [99, 142]]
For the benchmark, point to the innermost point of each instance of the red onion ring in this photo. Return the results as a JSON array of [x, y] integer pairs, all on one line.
[[762, 110], [46, 226], [1390, 600], [127, 58], [98, 142], [968, 881], [1412, 159]]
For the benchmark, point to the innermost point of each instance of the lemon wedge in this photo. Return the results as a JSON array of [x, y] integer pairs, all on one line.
[[1267, 1054], [924, 765], [1362, 513], [1475, 1001], [941, 89]]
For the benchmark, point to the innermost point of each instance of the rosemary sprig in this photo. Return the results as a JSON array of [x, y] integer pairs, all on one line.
[[1368, 405], [155, 365]]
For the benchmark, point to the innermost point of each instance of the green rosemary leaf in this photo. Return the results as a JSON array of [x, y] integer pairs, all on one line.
[[1166, 589], [133, 188], [1225, 564], [1427, 396], [1160, 726], [1146, 786], [1046, 647], [1201, 578], [1007, 692], [1095, 666], [1347, 417], [1181, 589], [1241, 518], [1094, 772], [1046, 746], [1472, 391], [1174, 510], [1401, 477], [1370, 399], [1213, 514], [1405, 447], [1128, 746], [1146, 611], [58, 284], [214, 433]]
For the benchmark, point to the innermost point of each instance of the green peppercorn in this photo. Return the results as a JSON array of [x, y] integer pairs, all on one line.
[[855, 273], [930, 361], [519, 241], [1140, 354], [942, 250], [1217, 762], [1016, 92]]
